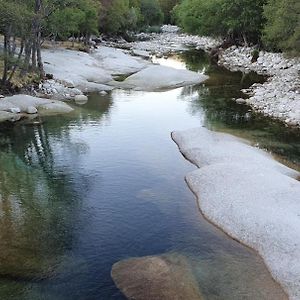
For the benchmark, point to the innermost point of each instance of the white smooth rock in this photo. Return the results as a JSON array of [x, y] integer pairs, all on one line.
[[5, 116], [31, 110], [241, 101], [14, 110], [44, 106], [156, 77], [250, 196], [141, 53], [80, 98]]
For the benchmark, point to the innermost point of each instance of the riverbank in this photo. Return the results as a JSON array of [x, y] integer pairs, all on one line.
[[76, 74], [250, 196], [278, 97], [120, 200]]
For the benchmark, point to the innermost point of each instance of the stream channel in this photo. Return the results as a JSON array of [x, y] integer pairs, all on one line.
[[82, 191]]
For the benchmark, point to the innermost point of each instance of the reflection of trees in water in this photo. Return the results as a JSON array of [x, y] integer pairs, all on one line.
[[36, 145], [199, 61], [196, 60], [38, 197], [215, 104], [32, 221], [213, 98]]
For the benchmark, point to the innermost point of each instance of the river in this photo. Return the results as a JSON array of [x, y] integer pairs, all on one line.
[[82, 191]]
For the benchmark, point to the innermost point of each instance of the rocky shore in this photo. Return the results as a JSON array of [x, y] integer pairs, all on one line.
[[278, 97], [76, 73], [169, 41]]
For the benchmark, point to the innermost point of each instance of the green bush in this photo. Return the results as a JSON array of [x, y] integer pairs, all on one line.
[[239, 19], [282, 30]]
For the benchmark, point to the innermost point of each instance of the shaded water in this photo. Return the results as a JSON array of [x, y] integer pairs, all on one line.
[[82, 191]]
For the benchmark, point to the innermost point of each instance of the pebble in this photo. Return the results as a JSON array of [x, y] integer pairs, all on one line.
[[241, 101], [14, 110], [79, 98], [31, 110]]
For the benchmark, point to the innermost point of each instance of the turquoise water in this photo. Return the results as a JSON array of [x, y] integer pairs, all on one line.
[[82, 191]]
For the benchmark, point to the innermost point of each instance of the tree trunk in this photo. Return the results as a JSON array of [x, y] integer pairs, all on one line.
[[26, 63], [37, 62], [6, 57], [33, 54], [245, 39], [18, 61], [39, 56]]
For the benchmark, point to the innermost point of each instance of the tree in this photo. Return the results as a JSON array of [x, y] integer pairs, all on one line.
[[64, 23], [25, 23], [151, 12], [89, 23], [167, 7], [282, 29], [114, 19], [15, 21], [200, 17], [241, 20]]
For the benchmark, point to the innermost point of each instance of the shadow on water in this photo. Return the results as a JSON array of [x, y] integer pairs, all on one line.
[[82, 191]]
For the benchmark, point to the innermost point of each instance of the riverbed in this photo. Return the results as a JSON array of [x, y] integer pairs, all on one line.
[[82, 191]]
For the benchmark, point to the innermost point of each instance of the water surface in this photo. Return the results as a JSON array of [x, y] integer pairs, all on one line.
[[82, 191]]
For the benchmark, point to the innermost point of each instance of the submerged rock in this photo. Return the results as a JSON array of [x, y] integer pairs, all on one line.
[[166, 277]]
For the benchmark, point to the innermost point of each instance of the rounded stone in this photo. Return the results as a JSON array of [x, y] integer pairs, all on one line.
[[14, 110], [31, 110], [81, 98]]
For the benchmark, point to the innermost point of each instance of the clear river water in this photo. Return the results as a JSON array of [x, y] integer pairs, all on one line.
[[82, 191]]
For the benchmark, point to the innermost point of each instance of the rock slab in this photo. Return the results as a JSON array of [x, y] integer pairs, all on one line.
[[250, 196]]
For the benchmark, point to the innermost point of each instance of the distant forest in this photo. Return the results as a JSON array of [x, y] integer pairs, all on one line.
[[25, 24]]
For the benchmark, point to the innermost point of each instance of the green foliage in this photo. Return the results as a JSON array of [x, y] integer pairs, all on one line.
[[89, 24], [14, 16], [167, 7], [118, 16], [237, 18], [151, 12], [243, 17], [78, 18], [200, 17], [65, 22], [275, 22], [115, 19], [282, 30]]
